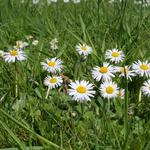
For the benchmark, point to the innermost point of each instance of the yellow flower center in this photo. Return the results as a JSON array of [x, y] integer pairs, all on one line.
[[103, 69], [109, 90], [83, 48], [51, 63], [144, 67], [53, 80], [13, 52], [115, 54], [124, 70], [81, 89]]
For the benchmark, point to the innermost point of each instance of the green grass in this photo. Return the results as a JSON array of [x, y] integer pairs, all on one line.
[[32, 122]]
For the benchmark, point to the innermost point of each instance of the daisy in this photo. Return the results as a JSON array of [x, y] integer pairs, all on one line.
[[66, 1], [53, 44], [83, 49], [121, 93], [14, 55], [76, 1], [142, 68], [52, 65], [53, 81], [125, 72], [114, 55], [20, 45], [35, 42], [146, 88], [104, 72], [35, 1], [81, 90], [109, 90]]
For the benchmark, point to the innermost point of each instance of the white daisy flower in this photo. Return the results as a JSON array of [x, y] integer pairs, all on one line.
[[35, 1], [146, 88], [76, 1], [14, 55], [81, 90], [49, 2], [121, 93], [53, 44], [20, 45], [125, 72], [109, 90], [142, 68], [66, 1], [35, 42], [53, 81], [54, 1], [52, 65], [104, 72], [83, 49], [1, 53], [114, 55]]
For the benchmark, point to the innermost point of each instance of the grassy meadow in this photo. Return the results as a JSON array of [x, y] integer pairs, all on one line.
[[28, 120]]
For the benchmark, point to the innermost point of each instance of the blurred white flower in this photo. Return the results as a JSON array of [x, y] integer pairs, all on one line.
[[125, 72], [35, 42], [121, 93], [20, 45], [146, 88], [76, 1], [35, 1], [66, 1], [53, 44]]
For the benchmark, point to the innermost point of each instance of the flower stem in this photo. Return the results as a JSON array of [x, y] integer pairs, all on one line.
[[47, 92], [126, 107], [16, 81]]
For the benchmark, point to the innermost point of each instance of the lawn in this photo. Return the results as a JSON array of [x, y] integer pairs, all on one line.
[[75, 76]]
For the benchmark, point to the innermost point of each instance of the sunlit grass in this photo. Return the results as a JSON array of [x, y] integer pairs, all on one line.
[[28, 119]]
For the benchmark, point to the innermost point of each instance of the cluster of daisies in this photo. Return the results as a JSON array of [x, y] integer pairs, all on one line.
[[53, 1], [144, 3], [103, 74], [84, 90]]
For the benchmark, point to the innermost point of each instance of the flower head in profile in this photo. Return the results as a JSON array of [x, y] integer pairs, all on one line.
[[53, 44], [104, 72], [125, 72], [81, 90], [146, 88], [14, 55], [52, 65], [53, 81], [83, 49], [20, 45], [35, 42], [142, 68], [114, 55], [121, 93], [109, 90]]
